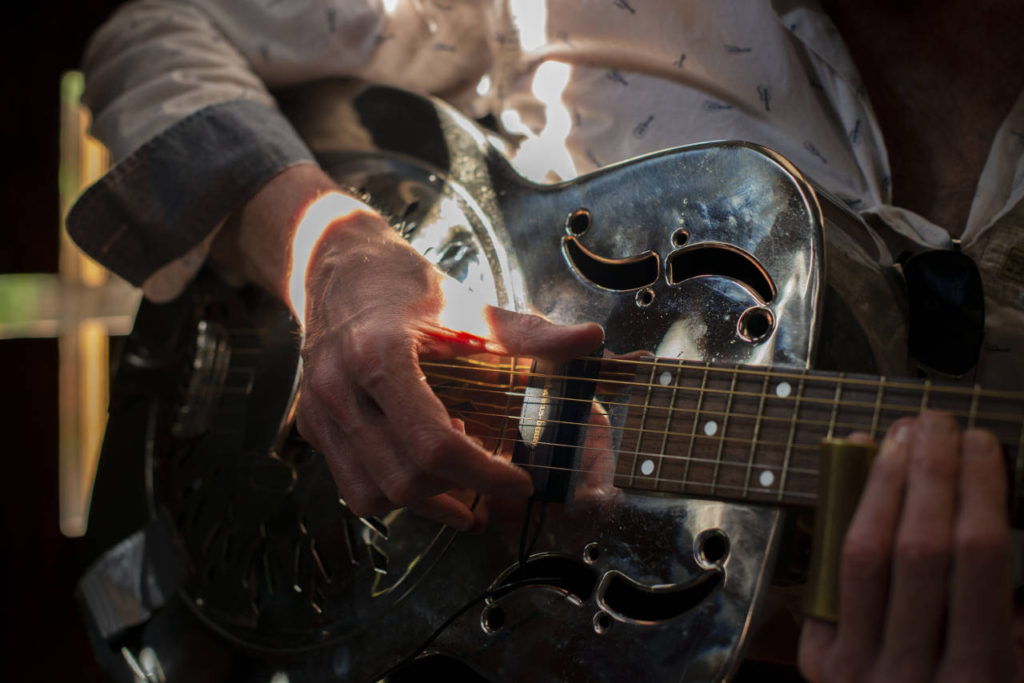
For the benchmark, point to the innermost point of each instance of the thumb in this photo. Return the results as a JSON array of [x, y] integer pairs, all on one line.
[[531, 335]]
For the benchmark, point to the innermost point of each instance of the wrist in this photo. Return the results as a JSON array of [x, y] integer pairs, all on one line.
[[269, 240], [323, 215]]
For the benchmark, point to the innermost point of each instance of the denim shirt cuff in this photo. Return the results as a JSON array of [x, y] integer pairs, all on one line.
[[158, 203]]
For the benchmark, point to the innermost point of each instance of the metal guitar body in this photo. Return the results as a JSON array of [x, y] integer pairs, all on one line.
[[718, 252]]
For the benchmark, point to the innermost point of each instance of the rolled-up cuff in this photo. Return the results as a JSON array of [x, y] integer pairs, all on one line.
[[161, 201]]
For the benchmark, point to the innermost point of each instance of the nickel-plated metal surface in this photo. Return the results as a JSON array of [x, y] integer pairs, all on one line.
[[740, 262]]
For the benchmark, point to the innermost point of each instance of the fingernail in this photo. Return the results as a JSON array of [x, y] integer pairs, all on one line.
[[496, 348]]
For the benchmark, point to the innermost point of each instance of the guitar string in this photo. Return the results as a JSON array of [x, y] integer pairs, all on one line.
[[826, 403], [529, 422], [891, 413], [809, 496], [688, 458], [827, 380], [752, 371], [770, 372], [638, 454], [819, 401]]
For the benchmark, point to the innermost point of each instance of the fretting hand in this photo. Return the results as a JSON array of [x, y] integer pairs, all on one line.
[[925, 586]]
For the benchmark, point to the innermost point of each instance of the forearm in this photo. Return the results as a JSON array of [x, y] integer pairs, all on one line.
[[270, 240]]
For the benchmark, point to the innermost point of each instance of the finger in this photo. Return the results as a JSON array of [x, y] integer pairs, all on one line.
[[816, 638], [916, 619], [378, 449], [981, 609], [532, 335], [355, 485], [867, 551], [597, 460], [434, 447]]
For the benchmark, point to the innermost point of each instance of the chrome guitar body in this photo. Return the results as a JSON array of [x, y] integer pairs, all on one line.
[[247, 566]]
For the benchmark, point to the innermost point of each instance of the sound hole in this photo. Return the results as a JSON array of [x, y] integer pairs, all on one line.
[[578, 222], [755, 324], [637, 602], [709, 260], [712, 547], [623, 275], [558, 572], [493, 619]]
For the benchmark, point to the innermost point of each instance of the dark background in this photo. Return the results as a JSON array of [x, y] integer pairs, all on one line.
[[43, 638]]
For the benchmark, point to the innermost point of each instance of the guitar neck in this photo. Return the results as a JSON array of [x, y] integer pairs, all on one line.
[[752, 434]]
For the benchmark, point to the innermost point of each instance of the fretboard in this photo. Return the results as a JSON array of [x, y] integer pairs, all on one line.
[[752, 434]]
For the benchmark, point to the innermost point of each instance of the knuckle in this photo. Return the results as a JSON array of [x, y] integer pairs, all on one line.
[[403, 488], [361, 351], [321, 384], [921, 549], [983, 543], [924, 463], [865, 557], [367, 504], [429, 449], [533, 328]]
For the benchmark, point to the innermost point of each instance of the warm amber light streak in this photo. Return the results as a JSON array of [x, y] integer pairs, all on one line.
[[463, 309], [84, 345], [318, 216], [84, 368]]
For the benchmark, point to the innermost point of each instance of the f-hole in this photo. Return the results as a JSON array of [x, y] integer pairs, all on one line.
[[722, 260], [622, 275]]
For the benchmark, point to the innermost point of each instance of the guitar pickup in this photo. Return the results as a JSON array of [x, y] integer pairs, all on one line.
[[555, 412]]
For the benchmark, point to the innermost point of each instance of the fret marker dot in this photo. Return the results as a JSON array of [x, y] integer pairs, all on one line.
[[710, 427], [766, 479], [647, 467], [665, 378], [783, 390]]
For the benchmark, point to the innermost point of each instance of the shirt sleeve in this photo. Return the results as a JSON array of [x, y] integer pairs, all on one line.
[[179, 94]]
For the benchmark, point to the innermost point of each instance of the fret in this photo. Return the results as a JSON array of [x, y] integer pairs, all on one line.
[[961, 402], [768, 449], [674, 381], [972, 413], [816, 419], [693, 429], [878, 408], [836, 400], [657, 437], [643, 422], [509, 393], [713, 413], [790, 441], [757, 434], [753, 431], [722, 440]]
